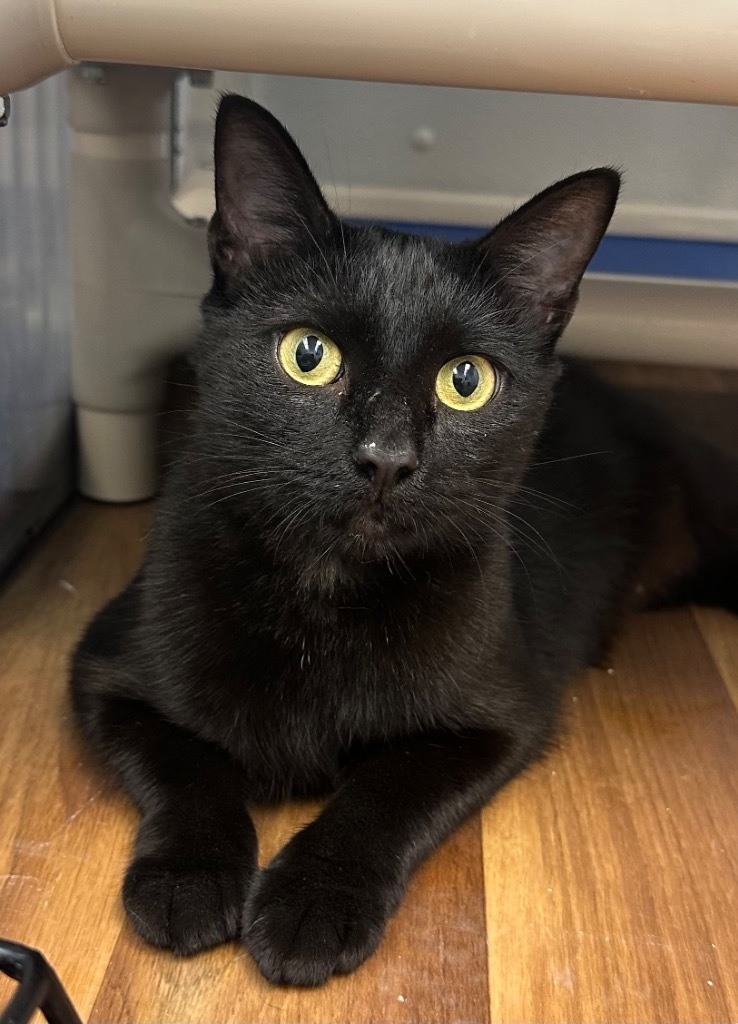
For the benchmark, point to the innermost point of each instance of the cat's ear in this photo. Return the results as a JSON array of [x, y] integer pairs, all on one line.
[[537, 255], [266, 198]]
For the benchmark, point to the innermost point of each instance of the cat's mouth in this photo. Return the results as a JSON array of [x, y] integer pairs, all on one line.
[[377, 532]]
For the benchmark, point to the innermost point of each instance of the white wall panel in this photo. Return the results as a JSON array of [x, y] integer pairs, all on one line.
[[35, 316], [463, 156]]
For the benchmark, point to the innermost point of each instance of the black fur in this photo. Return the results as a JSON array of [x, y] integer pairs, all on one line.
[[293, 631]]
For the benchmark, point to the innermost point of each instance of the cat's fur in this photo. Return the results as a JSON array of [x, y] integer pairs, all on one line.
[[294, 631]]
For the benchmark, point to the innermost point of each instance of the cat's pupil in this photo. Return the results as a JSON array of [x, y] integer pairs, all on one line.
[[309, 353], [466, 379]]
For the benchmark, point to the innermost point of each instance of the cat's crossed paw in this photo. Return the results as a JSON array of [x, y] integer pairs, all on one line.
[[307, 919], [185, 904]]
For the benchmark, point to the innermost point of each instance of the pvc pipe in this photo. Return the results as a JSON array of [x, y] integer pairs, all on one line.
[[116, 455], [651, 49], [138, 272], [31, 47]]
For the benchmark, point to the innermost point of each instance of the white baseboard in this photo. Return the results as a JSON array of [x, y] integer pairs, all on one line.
[[194, 200], [476, 209], [656, 320]]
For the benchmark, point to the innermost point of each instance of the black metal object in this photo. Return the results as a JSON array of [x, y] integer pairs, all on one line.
[[38, 987]]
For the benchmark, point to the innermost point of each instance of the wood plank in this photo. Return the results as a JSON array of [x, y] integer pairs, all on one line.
[[612, 869], [720, 632], [65, 836]]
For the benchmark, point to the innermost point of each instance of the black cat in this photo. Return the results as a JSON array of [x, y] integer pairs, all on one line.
[[397, 531]]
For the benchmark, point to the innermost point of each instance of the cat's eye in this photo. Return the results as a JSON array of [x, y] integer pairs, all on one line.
[[467, 383], [308, 356]]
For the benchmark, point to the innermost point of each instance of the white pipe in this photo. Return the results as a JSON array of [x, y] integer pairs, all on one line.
[[654, 49], [138, 272], [31, 48]]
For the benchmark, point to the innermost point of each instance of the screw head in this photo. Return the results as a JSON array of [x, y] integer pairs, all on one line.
[[423, 139]]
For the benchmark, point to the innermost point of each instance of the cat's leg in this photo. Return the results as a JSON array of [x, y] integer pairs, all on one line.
[[196, 849], [195, 853], [322, 905]]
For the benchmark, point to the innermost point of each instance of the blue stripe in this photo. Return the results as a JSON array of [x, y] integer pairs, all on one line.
[[650, 257]]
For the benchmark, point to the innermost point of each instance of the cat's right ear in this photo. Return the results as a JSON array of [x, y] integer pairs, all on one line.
[[538, 254], [266, 199]]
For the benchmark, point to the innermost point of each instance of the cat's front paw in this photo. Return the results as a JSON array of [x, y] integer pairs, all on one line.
[[306, 919], [185, 904]]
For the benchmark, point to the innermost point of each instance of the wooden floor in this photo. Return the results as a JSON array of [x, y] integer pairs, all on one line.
[[602, 886]]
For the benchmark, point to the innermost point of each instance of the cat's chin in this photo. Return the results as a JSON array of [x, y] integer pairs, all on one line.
[[367, 541], [373, 536]]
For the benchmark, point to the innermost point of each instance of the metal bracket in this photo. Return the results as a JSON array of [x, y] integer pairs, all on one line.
[[91, 72], [200, 79], [4, 110]]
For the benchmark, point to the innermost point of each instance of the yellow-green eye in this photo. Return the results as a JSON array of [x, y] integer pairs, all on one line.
[[466, 383], [310, 357]]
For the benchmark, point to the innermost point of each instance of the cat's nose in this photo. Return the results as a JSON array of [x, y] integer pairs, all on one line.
[[385, 467]]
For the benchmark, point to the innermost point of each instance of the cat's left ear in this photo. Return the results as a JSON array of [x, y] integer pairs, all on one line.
[[266, 198], [537, 255]]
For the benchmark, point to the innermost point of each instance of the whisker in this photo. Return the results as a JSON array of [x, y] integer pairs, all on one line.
[[570, 458]]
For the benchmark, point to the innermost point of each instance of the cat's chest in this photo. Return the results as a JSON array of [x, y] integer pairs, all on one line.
[[293, 710], [354, 674], [316, 687]]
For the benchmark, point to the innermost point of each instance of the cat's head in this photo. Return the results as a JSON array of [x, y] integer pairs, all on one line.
[[368, 395]]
